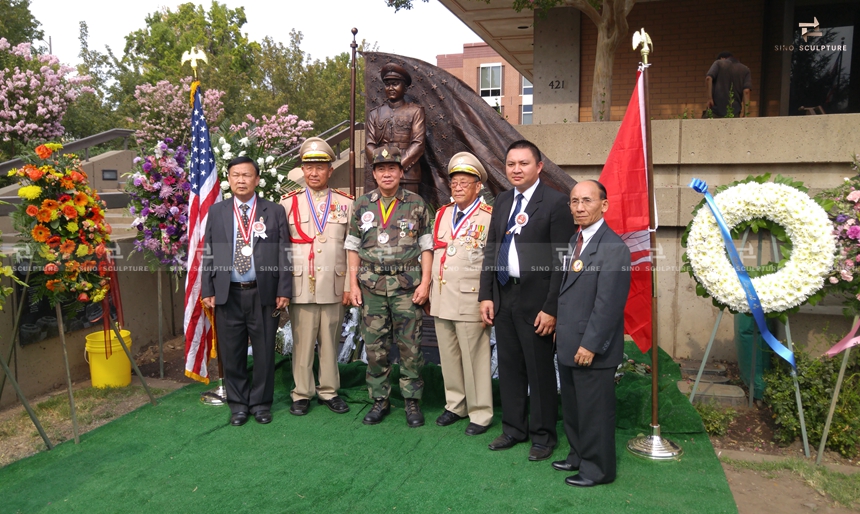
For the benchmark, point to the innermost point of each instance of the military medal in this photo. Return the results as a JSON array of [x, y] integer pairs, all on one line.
[[385, 218], [321, 238], [577, 266], [246, 251], [320, 221], [464, 225], [451, 251]]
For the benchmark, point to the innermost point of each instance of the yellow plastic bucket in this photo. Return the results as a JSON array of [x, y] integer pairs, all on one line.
[[114, 371]]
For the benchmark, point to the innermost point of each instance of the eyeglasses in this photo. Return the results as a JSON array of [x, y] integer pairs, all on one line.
[[462, 184], [585, 201]]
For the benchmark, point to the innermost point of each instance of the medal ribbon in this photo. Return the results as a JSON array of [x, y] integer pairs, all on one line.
[[746, 282], [385, 214], [244, 231], [303, 238], [455, 229], [320, 225]]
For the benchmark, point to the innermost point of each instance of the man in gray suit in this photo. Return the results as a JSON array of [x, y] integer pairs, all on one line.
[[590, 337], [247, 279]]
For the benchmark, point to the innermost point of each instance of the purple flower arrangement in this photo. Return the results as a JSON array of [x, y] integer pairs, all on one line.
[[158, 192]]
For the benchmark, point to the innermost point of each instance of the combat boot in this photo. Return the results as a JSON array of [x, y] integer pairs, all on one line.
[[414, 417], [377, 413]]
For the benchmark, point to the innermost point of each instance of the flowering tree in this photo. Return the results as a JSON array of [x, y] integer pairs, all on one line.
[[35, 92], [266, 141], [165, 111]]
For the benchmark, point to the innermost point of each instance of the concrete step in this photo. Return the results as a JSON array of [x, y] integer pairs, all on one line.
[[725, 394], [691, 367]]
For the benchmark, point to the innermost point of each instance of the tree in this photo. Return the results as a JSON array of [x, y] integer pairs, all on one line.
[[610, 17], [165, 111], [17, 23]]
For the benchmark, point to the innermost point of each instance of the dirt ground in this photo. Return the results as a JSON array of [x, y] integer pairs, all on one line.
[[749, 438]]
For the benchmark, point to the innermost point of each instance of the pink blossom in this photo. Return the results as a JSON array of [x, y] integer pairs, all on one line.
[[854, 232], [846, 275], [853, 196], [165, 111], [834, 280]]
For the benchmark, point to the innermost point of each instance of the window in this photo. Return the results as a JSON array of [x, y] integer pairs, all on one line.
[[527, 87], [527, 115], [491, 80]]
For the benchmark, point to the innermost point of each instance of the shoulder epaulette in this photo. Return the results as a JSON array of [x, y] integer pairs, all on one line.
[[293, 193], [338, 191], [486, 208], [440, 209]]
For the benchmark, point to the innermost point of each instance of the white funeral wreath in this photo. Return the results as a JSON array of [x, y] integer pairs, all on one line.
[[805, 223]]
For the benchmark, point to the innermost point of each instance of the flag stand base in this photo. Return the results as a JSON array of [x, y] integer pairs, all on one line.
[[214, 397], [654, 447]]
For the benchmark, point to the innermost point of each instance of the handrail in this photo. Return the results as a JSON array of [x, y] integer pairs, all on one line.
[[80, 144], [331, 140]]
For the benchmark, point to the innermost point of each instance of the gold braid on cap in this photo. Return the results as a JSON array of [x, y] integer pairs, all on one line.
[[316, 156], [465, 168]]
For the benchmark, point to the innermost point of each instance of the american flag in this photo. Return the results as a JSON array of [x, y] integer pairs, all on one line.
[[204, 192]]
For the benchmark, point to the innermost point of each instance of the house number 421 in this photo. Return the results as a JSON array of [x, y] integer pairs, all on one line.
[[556, 84]]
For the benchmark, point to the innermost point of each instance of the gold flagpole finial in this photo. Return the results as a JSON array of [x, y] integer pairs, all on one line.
[[642, 38], [194, 55]]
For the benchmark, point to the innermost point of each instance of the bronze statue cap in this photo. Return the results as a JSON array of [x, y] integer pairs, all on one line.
[[394, 71], [464, 162], [385, 154], [315, 149]]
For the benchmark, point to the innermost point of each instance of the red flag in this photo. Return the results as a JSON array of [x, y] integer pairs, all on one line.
[[204, 192], [625, 176]]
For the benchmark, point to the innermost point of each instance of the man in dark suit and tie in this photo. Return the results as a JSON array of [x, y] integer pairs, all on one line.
[[529, 230], [590, 337], [247, 280]]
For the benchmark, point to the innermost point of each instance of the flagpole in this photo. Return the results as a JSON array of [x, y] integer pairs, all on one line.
[[652, 446], [352, 45]]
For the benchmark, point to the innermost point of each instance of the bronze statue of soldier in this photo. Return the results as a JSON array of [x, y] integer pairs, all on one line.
[[398, 123]]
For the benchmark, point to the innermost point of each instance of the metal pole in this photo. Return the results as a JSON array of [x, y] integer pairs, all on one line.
[[68, 374], [24, 402], [352, 91], [133, 364], [705, 358], [797, 396], [160, 328], [755, 335], [654, 446], [15, 327], [833, 402]]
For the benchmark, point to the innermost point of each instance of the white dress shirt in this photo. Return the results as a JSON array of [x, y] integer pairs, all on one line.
[[513, 258], [588, 233]]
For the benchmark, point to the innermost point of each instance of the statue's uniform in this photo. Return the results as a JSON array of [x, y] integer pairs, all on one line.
[[399, 124], [389, 272], [464, 343], [319, 281]]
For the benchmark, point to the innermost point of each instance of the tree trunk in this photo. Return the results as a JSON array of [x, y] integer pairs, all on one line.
[[601, 89]]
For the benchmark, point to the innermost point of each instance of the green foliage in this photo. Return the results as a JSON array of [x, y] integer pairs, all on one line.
[[817, 380], [715, 417], [730, 109], [17, 23]]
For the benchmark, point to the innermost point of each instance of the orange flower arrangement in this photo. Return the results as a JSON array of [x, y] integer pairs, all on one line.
[[62, 220]]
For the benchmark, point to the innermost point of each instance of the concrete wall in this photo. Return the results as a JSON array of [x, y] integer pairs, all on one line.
[[39, 368], [814, 149], [119, 161]]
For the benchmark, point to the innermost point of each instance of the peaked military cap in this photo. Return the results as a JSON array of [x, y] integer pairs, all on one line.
[[394, 71], [315, 149], [385, 154], [464, 162]]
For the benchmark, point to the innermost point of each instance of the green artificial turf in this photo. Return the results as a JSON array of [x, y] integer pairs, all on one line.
[[182, 456]]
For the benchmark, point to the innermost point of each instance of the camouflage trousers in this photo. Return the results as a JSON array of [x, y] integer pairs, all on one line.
[[385, 318]]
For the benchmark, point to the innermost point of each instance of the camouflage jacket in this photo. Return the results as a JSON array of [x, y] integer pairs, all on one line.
[[390, 256]]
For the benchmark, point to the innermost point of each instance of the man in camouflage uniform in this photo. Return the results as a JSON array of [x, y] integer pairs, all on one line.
[[318, 217], [390, 256]]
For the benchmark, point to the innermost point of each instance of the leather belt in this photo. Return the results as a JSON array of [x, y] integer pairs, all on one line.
[[244, 285], [514, 280]]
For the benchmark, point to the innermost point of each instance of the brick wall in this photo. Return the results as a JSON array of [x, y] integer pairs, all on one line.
[[687, 38]]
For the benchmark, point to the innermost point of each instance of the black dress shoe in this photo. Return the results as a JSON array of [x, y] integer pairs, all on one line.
[[503, 442], [476, 429], [263, 416], [335, 404], [579, 481], [447, 418], [563, 465], [414, 416], [237, 419], [377, 413], [300, 407], [540, 452]]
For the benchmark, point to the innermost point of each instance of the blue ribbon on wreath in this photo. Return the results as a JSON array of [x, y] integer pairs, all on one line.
[[746, 282]]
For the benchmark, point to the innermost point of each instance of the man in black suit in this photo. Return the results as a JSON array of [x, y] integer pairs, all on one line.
[[246, 278], [590, 337], [528, 233]]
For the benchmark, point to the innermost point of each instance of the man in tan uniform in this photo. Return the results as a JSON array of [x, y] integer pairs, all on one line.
[[318, 217], [459, 236]]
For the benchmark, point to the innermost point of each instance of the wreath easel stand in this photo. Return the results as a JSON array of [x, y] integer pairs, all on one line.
[[803, 433]]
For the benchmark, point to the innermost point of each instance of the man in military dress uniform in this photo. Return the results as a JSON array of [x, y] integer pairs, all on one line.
[[318, 217], [460, 235], [390, 253], [399, 124]]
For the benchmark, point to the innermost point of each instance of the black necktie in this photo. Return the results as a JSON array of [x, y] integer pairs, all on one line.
[[458, 217], [241, 263], [503, 274], [578, 249]]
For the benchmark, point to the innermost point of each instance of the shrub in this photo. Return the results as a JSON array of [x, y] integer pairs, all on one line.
[[715, 417]]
